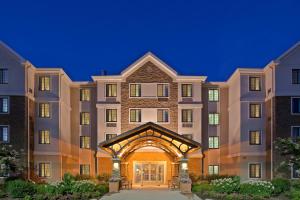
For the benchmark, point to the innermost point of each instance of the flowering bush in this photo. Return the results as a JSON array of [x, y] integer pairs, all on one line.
[[257, 188], [10, 162], [226, 185], [83, 186]]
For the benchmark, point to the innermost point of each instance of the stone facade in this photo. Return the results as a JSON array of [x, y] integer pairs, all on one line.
[[149, 73]]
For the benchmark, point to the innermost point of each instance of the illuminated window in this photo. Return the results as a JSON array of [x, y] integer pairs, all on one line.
[[3, 76], [4, 104], [44, 169], [44, 137], [162, 115], [162, 90], [44, 83], [213, 118], [255, 170], [4, 134], [111, 115], [255, 137], [186, 90], [109, 136], [84, 118], [111, 90], [44, 110], [135, 90], [213, 169], [135, 115], [85, 142], [254, 83], [296, 76], [85, 94], [255, 110], [85, 169], [187, 115], [213, 95], [213, 142]]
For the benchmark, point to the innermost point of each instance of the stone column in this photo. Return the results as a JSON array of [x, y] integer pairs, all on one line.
[[116, 169], [183, 167], [114, 182], [185, 181]]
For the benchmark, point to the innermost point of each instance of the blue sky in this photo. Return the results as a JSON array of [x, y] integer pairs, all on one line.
[[195, 37]]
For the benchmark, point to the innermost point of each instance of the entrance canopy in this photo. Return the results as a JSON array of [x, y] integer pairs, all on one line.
[[149, 135]]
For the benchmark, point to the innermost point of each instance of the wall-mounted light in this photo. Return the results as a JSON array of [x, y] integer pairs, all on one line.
[[116, 166], [184, 166]]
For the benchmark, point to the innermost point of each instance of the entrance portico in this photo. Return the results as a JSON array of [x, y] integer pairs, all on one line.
[[150, 154]]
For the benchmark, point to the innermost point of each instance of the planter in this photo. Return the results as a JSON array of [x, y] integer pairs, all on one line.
[[2, 180], [114, 186], [185, 187]]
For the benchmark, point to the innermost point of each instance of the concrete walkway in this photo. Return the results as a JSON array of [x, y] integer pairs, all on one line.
[[149, 194]]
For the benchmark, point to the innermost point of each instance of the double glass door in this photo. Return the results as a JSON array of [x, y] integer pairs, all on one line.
[[149, 173]]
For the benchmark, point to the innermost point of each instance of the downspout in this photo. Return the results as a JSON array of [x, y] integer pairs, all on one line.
[[59, 124], [28, 123], [272, 118]]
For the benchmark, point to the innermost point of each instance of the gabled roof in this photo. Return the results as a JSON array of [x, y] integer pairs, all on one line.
[[287, 52], [17, 56]]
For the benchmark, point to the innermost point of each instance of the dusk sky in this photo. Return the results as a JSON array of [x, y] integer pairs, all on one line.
[[210, 38]]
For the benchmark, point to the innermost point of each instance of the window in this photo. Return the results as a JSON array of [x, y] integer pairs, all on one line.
[[85, 142], [135, 90], [162, 115], [188, 136], [255, 170], [111, 115], [109, 136], [162, 90], [44, 110], [4, 134], [44, 83], [296, 76], [3, 76], [44, 169], [213, 169], [213, 95], [85, 94], [186, 90], [254, 83], [111, 90], [135, 115], [213, 119], [4, 104], [295, 132], [84, 169], [84, 118], [295, 172], [295, 105], [254, 137], [255, 110], [44, 137], [213, 142], [187, 115]]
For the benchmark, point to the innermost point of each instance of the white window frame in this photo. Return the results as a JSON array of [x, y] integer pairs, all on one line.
[[130, 90], [214, 142], [261, 109], [260, 139], [50, 109], [133, 122], [105, 115], [38, 169], [168, 90], [260, 83], [212, 101], [8, 105], [105, 92], [8, 133], [213, 165], [219, 120], [168, 122], [292, 113], [50, 82]]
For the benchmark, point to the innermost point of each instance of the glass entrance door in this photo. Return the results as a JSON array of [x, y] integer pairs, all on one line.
[[149, 173]]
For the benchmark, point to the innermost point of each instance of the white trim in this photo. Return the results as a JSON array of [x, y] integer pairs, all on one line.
[[261, 113], [129, 120], [277, 60], [106, 97], [169, 118]]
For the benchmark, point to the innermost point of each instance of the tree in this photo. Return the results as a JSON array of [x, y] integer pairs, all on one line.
[[10, 161], [289, 148]]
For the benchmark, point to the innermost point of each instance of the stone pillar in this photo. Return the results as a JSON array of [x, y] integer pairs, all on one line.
[[116, 169], [185, 182], [183, 167], [114, 182]]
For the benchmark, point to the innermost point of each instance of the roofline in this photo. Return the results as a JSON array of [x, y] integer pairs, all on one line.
[[277, 60], [56, 70], [12, 51], [244, 70]]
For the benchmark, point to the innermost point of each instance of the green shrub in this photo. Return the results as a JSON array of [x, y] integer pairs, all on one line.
[[83, 187], [80, 177], [257, 188], [201, 187], [226, 185], [280, 185], [294, 194], [45, 189], [20, 188], [210, 178], [68, 178], [102, 188]]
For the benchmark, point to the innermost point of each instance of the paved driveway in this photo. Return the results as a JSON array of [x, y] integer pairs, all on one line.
[[149, 194]]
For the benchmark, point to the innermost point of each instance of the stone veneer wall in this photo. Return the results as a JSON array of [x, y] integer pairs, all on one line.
[[149, 73]]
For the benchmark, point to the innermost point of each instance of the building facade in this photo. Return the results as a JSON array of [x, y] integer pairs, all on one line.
[[149, 121]]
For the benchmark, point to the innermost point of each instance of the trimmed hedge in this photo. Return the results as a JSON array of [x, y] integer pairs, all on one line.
[[20, 188]]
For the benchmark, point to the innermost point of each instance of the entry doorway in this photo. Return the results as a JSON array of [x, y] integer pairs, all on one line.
[[149, 173]]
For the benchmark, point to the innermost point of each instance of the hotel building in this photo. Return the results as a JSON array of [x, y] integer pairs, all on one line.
[[149, 119]]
